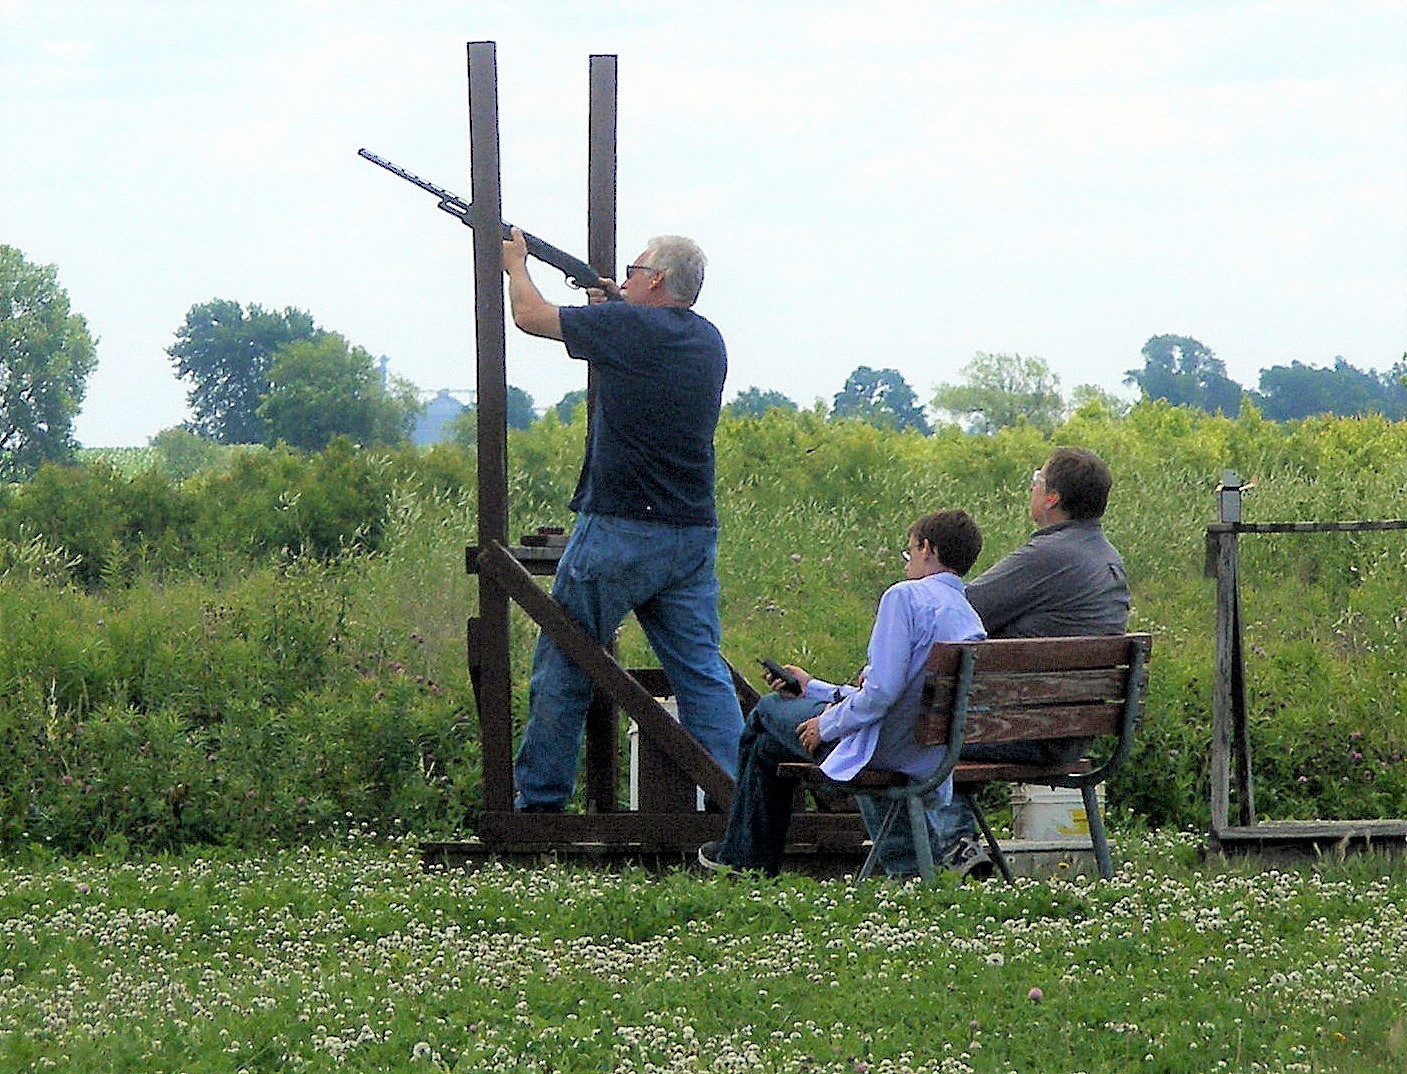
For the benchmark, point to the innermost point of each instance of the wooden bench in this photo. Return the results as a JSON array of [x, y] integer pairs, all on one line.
[[1014, 690]]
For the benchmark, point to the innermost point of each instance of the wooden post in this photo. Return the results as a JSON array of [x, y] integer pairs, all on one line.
[[1240, 719], [1230, 724], [601, 168], [602, 747], [494, 690], [1230, 737]]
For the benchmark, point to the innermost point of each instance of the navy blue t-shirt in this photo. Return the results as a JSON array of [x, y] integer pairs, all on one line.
[[659, 384]]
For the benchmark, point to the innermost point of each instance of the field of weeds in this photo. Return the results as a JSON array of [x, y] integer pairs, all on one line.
[[351, 957]]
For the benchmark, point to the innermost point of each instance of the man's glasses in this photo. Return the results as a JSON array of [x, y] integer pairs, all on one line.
[[630, 270]]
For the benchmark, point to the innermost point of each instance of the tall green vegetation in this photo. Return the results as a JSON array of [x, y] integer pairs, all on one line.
[[292, 625]]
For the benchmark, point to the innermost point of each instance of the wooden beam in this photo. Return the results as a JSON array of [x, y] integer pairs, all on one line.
[[497, 563], [546, 831], [493, 694]]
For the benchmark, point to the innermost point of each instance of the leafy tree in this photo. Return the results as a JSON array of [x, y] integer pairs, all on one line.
[[880, 397], [1185, 372], [1000, 390], [46, 355], [521, 413], [183, 453], [1085, 395], [464, 429], [323, 388], [566, 406], [521, 410], [225, 353], [1293, 391], [754, 402]]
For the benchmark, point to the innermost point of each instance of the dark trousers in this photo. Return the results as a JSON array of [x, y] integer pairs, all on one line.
[[762, 801]]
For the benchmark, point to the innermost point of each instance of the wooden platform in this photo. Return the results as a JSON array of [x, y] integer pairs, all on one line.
[[1037, 858], [1298, 840]]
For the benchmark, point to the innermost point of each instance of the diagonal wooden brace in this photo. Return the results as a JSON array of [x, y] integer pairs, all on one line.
[[654, 722]]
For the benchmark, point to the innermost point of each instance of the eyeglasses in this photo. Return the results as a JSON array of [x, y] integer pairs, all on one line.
[[630, 270], [906, 554]]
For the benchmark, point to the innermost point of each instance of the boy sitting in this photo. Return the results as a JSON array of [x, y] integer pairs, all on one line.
[[854, 726]]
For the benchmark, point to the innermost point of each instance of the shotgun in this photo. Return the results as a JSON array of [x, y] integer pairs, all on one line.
[[578, 272]]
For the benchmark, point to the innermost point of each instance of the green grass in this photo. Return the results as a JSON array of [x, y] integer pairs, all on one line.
[[350, 957]]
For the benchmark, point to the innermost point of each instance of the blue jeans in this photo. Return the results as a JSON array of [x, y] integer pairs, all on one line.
[[762, 801], [667, 576]]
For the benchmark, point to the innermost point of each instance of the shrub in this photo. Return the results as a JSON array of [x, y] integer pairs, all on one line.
[[293, 625]]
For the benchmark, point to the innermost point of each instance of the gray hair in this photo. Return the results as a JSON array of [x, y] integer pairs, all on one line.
[[682, 263]]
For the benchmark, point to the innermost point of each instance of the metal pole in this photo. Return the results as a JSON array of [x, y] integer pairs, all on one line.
[[495, 694]]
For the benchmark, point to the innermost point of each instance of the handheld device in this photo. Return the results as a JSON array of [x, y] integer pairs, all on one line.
[[789, 681]]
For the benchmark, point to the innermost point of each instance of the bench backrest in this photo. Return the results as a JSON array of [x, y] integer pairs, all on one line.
[[1016, 689]]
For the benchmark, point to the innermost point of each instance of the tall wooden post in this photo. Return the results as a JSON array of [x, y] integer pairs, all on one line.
[[1230, 723], [602, 750], [601, 168], [490, 637]]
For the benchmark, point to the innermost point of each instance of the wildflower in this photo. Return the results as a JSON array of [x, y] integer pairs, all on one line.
[[1035, 995]]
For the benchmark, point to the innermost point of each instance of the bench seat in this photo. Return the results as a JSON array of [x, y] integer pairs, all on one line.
[[1013, 690]]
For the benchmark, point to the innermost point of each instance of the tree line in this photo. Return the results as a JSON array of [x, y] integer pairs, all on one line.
[[997, 391], [259, 376]]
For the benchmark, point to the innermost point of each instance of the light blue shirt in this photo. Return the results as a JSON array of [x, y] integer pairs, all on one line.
[[873, 724]]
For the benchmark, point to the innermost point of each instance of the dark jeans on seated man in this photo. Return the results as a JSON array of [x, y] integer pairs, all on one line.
[[762, 801]]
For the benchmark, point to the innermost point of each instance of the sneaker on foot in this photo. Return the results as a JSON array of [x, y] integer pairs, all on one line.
[[709, 859], [967, 857]]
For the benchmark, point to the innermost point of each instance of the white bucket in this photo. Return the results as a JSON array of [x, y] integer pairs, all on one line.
[[1049, 812], [633, 735]]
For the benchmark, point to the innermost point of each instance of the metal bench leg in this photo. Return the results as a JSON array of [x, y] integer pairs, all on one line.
[[872, 860], [991, 839], [1097, 835], [918, 827]]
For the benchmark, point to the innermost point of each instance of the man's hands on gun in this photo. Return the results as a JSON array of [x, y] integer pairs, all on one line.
[[515, 253], [515, 260], [607, 292]]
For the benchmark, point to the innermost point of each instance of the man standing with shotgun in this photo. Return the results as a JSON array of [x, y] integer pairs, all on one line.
[[646, 534]]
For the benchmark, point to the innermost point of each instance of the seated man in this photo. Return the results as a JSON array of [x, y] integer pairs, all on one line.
[[1067, 580], [872, 724]]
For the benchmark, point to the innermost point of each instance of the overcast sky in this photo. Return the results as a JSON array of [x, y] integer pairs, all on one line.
[[885, 184]]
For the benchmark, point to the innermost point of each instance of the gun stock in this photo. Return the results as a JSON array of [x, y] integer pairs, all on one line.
[[578, 272]]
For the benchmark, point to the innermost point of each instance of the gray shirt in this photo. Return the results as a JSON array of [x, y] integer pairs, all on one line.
[[1067, 580]]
